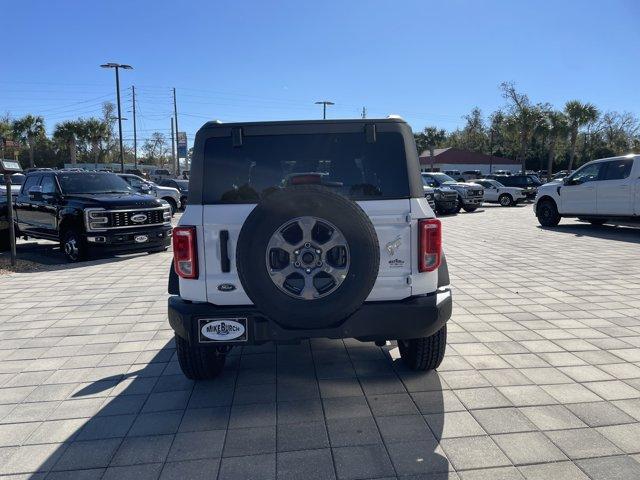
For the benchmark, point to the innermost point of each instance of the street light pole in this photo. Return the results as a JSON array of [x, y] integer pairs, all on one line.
[[117, 67], [324, 104]]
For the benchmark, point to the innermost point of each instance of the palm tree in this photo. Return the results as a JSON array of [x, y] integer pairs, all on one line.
[[578, 114], [29, 129], [429, 138], [95, 131], [67, 134], [557, 128]]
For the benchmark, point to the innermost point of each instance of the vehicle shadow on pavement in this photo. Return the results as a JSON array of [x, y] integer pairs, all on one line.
[[48, 256], [605, 232], [330, 408]]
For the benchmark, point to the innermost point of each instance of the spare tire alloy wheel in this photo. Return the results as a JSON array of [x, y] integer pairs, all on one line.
[[310, 265], [307, 257]]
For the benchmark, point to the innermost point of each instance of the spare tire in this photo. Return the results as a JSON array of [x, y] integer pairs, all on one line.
[[307, 257]]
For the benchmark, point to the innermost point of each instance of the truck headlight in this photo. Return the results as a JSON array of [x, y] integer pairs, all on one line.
[[166, 214], [96, 219]]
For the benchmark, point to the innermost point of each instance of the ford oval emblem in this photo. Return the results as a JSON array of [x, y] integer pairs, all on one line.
[[139, 218], [226, 287]]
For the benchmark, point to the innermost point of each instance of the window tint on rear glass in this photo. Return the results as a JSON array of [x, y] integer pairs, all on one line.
[[617, 169], [343, 162]]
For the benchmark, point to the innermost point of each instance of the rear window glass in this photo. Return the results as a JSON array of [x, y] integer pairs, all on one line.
[[618, 169], [344, 162]]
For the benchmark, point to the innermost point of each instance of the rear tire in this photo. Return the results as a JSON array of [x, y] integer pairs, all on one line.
[[547, 214], [505, 200], [424, 353], [198, 363], [470, 209]]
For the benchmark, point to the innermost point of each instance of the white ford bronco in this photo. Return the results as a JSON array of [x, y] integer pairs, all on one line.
[[305, 229]]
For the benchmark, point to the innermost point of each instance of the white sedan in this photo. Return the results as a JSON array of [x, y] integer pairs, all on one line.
[[495, 192]]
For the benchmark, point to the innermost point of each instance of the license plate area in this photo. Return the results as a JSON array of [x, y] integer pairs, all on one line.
[[222, 330]]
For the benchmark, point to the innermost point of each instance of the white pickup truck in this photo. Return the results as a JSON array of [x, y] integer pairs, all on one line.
[[601, 191]]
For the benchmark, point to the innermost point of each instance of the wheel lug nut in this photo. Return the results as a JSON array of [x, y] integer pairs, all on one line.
[[308, 270], [297, 264], [318, 252], [319, 264], [307, 244], [296, 252]]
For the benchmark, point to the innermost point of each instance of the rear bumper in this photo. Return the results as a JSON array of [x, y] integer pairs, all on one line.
[[125, 241], [414, 317]]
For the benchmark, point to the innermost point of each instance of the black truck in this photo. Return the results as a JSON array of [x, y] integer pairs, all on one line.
[[91, 213]]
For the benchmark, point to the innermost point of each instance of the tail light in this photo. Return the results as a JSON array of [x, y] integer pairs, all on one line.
[[429, 244], [185, 252]]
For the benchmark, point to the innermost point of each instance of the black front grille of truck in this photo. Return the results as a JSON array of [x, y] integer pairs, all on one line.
[[135, 218]]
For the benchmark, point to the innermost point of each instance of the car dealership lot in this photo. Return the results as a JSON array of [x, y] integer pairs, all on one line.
[[541, 377]]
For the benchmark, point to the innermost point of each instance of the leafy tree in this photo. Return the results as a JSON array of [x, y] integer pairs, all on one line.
[[110, 146], [474, 136], [6, 133], [155, 148], [578, 114], [524, 118], [28, 130], [429, 139]]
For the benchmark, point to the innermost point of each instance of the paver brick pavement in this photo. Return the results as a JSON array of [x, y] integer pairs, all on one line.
[[541, 379]]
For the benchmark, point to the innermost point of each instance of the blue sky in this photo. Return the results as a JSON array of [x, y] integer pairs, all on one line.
[[429, 61]]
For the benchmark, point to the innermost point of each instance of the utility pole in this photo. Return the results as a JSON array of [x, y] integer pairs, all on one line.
[[491, 152], [364, 112], [117, 67], [175, 115], [176, 162], [324, 104], [135, 132]]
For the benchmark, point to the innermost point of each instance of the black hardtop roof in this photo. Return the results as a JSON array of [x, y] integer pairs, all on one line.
[[363, 121]]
